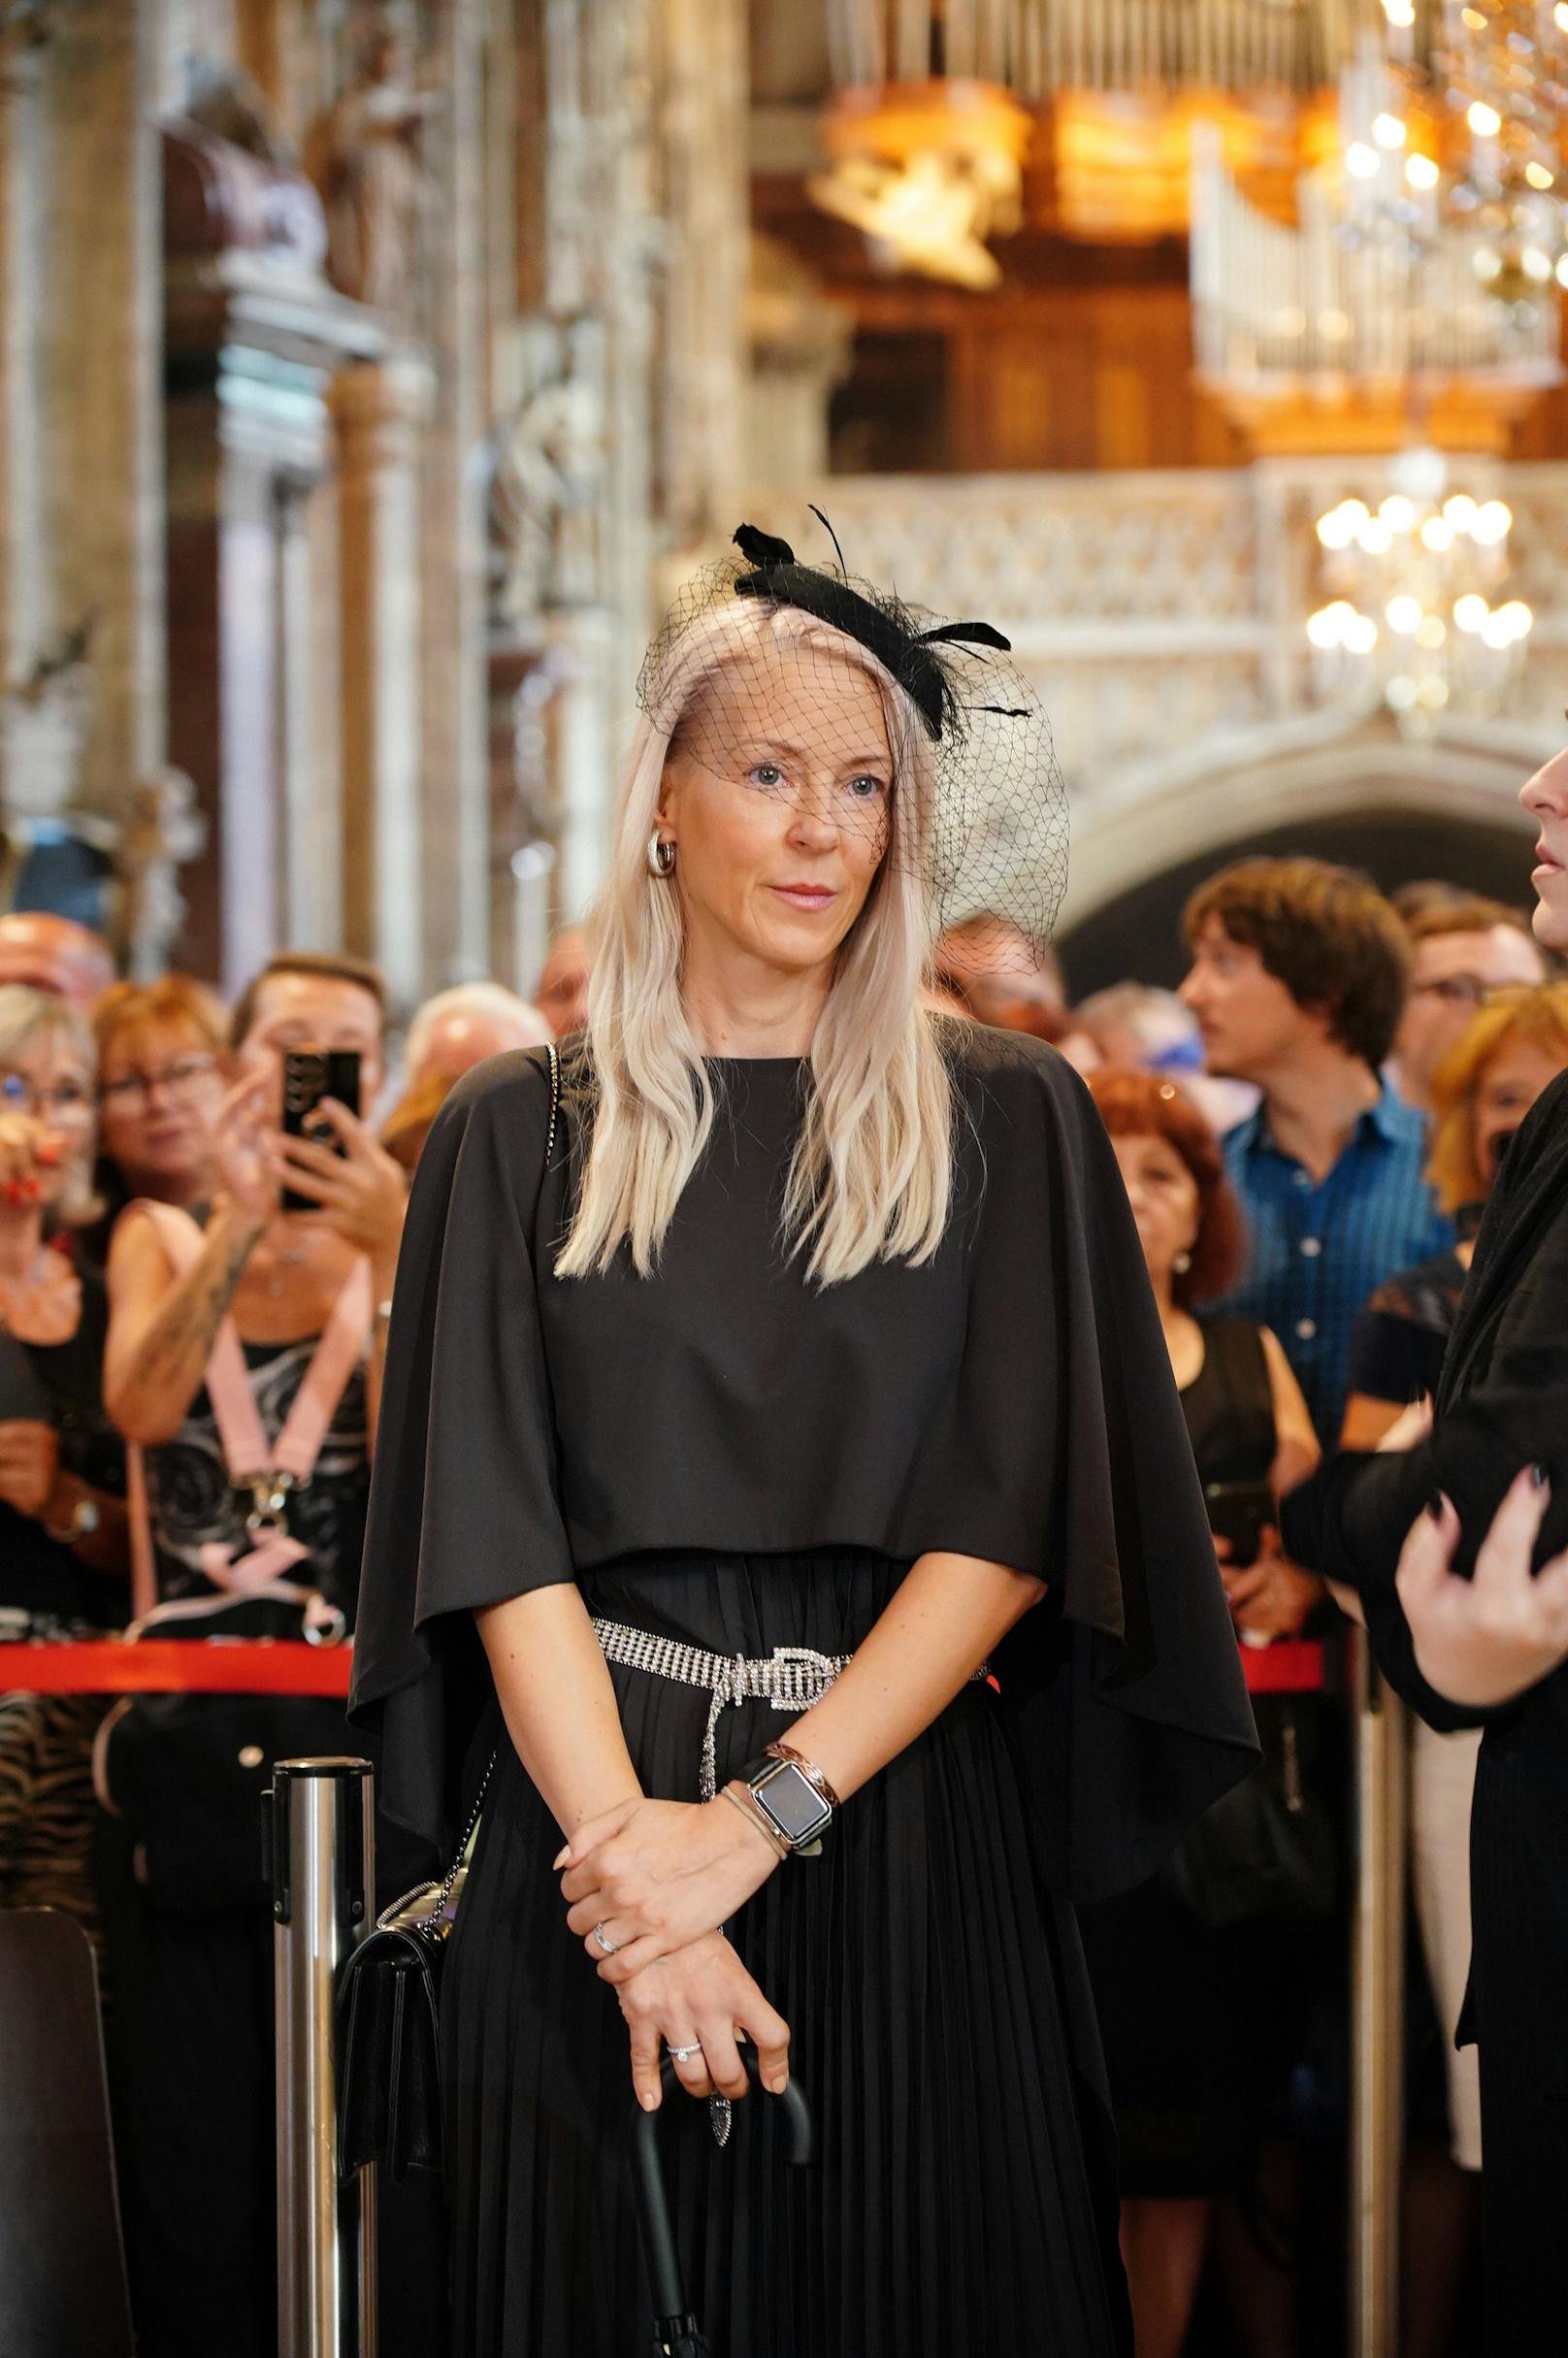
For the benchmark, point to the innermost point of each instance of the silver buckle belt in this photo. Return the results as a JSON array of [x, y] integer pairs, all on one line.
[[792, 1676]]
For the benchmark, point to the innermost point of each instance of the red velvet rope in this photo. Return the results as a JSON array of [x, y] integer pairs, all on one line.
[[165, 1666], [286, 1667], [1288, 1666]]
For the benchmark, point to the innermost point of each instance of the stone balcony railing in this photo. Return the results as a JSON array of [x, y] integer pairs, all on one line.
[[1161, 617]]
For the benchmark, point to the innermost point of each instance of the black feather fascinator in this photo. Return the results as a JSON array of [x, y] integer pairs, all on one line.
[[750, 674]]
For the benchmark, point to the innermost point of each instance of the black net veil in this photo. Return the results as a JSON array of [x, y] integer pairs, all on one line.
[[952, 774]]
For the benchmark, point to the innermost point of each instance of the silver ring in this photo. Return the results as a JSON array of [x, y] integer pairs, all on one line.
[[608, 1946], [684, 2055]]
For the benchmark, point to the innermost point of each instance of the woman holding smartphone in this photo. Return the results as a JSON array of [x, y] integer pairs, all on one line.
[[1198, 2019], [297, 1244]]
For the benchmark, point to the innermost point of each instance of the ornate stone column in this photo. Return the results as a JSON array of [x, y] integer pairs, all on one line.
[[253, 338], [800, 340], [703, 106], [99, 449], [456, 798], [379, 411], [24, 567]]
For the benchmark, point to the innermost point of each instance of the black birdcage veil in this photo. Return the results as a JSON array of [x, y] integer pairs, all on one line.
[[936, 748]]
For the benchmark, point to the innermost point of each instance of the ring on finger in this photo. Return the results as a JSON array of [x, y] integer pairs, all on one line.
[[608, 1946], [684, 2055]]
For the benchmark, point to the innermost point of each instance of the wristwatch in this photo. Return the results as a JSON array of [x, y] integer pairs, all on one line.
[[792, 1802]]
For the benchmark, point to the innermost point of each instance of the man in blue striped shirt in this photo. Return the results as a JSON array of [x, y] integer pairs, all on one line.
[[1298, 979]]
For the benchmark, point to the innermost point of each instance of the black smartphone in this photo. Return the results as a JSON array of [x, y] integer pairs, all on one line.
[[1239, 1510], [310, 1075]]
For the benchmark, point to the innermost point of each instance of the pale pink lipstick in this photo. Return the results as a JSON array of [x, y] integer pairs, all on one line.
[[809, 897], [1548, 867]]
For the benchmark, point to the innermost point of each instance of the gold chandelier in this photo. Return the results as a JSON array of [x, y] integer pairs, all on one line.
[[929, 171], [1494, 76], [1416, 620]]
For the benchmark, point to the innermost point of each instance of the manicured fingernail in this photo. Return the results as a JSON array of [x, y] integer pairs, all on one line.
[[779, 2081], [561, 1857], [649, 2100], [1434, 1506], [1539, 1475]]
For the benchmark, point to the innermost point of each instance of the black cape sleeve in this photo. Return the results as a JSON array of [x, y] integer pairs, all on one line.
[[463, 1502], [1124, 1686], [1499, 1407]]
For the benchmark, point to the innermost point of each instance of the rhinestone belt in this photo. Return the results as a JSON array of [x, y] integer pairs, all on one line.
[[792, 1676]]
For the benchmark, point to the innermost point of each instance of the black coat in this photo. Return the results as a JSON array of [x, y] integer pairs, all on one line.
[[1503, 1403]]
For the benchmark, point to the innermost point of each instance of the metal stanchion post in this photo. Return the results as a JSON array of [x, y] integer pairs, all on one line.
[[1377, 2138], [321, 1844]]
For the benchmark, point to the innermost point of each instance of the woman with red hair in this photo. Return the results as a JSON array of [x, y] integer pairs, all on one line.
[[1198, 2015]]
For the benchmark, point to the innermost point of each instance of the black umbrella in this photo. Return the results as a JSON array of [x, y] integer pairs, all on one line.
[[676, 2332]]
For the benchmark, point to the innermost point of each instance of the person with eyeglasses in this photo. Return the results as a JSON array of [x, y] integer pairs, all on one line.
[[62, 1474], [1464, 948], [163, 1070]]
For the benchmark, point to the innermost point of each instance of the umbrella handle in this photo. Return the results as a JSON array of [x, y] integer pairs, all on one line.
[[655, 2226]]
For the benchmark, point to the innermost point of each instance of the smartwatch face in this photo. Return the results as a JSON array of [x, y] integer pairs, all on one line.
[[794, 1804]]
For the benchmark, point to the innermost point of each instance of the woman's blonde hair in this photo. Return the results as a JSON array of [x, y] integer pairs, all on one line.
[[1537, 1013], [28, 1017], [873, 1172]]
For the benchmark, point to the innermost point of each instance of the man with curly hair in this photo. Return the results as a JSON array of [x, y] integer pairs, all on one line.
[[1298, 980]]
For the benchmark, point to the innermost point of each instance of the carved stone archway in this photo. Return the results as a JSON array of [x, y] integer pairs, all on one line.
[[1346, 787]]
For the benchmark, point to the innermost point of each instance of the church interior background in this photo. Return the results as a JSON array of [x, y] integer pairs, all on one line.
[[368, 374], [373, 370]]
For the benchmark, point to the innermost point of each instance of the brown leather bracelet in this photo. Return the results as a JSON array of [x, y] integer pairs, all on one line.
[[807, 1768]]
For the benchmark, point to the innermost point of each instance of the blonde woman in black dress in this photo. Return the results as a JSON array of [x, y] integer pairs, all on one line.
[[805, 1367]]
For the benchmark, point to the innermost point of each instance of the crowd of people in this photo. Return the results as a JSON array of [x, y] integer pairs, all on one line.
[[1308, 1132]]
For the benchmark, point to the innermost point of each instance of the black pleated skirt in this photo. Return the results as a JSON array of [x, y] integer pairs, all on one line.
[[963, 2199]]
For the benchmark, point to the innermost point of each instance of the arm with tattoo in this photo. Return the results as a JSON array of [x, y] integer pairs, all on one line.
[[162, 1327]]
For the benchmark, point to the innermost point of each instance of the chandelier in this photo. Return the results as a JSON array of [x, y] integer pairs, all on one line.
[[1492, 75], [929, 171], [1504, 63], [1414, 620]]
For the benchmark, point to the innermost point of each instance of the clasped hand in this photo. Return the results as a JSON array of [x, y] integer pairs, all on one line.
[[656, 1878], [655, 1874]]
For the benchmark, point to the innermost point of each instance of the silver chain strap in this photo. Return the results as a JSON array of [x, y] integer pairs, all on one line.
[[428, 1923]]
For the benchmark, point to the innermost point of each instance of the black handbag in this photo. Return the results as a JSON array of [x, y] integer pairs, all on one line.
[[389, 2108], [1269, 1851]]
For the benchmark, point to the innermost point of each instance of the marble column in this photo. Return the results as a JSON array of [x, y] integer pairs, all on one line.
[[453, 721], [704, 115], [601, 243], [254, 337], [380, 413], [100, 444], [24, 568]]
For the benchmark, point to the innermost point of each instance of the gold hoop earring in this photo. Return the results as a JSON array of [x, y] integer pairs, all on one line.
[[660, 855]]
